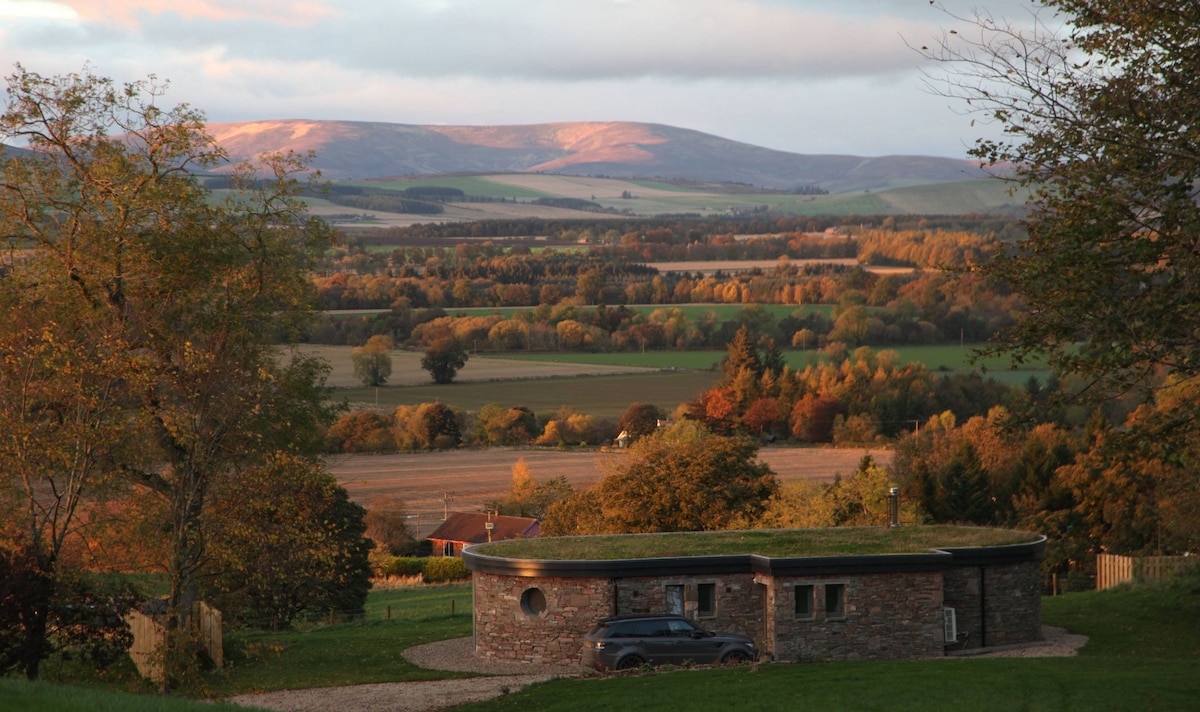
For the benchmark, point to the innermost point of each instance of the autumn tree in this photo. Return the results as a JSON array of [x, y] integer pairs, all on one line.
[[1097, 103], [443, 359], [681, 478], [528, 497], [387, 525], [286, 541], [497, 425], [372, 364], [640, 419], [171, 294]]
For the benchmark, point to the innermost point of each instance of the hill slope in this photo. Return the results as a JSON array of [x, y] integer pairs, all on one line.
[[354, 149]]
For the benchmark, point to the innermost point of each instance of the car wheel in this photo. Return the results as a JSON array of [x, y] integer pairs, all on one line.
[[735, 657], [630, 662]]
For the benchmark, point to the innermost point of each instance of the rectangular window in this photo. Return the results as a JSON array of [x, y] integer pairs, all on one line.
[[835, 600], [675, 599], [447, 548], [804, 601], [706, 600]]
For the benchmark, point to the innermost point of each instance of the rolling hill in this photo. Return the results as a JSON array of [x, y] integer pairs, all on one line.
[[347, 150]]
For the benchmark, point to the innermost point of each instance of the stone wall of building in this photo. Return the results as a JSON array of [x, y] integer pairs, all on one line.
[[881, 607], [996, 604], [737, 605], [1013, 603], [514, 622], [882, 616]]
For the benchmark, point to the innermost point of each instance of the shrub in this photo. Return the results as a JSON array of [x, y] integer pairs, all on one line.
[[403, 566], [439, 569]]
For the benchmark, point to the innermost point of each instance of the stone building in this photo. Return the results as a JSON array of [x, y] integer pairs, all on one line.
[[889, 606]]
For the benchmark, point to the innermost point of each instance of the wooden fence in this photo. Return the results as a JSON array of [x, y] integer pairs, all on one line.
[[1112, 569], [150, 635]]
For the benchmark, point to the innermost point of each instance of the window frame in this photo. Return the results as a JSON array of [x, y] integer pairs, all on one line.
[[837, 589], [711, 611], [808, 593], [668, 598]]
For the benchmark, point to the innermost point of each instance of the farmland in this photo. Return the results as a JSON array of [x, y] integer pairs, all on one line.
[[625, 197], [472, 477], [598, 383]]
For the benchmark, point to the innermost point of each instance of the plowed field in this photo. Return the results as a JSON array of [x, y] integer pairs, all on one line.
[[472, 477]]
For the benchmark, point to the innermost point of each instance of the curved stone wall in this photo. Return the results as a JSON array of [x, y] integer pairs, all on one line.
[[801, 608]]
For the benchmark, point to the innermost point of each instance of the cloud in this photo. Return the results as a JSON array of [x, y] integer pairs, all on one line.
[[542, 39], [805, 75], [131, 12]]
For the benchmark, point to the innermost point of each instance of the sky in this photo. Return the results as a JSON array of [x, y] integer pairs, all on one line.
[[806, 76]]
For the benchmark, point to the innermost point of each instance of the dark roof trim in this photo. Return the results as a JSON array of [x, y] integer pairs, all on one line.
[[938, 560]]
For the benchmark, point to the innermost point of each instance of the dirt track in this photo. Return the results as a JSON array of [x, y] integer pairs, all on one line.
[[472, 477]]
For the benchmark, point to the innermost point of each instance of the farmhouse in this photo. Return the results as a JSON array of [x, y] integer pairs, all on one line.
[[462, 529], [896, 597]]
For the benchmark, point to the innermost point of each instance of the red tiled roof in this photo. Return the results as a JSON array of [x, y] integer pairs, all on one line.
[[469, 528]]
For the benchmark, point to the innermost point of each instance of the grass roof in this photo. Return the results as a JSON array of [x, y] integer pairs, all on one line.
[[774, 543]]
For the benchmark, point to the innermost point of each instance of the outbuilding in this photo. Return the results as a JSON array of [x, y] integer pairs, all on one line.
[[792, 591]]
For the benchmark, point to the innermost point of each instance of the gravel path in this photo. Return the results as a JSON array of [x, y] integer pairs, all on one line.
[[505, 677], [424, 696]]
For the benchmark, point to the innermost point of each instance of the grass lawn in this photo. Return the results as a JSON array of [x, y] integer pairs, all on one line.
[[351, 653], [259, 661], [20, 694], [1144, 644]]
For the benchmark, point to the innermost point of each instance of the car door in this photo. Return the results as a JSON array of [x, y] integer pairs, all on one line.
[[692, 644], [657, 642]]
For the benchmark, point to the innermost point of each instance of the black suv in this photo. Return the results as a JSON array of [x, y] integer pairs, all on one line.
[[632, 641]]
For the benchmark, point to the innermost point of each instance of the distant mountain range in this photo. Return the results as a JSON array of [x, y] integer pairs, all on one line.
[[359, 150]]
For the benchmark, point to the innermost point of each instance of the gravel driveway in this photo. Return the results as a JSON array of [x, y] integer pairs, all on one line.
[[424, 696], [502, 678]]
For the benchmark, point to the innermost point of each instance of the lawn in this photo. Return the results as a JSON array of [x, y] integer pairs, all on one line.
[[1144, 643], [351, 653]]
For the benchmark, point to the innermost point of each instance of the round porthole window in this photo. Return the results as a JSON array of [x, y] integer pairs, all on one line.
[[533, 602]]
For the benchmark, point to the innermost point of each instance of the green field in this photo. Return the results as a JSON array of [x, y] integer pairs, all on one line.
[[670, 378], [604, 396], [968, 196], [723, 312], [950, 358], [471, 185]]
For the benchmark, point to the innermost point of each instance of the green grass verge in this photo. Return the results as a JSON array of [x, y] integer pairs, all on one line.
[[1003, 685], [20, 694], [839, 541]]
